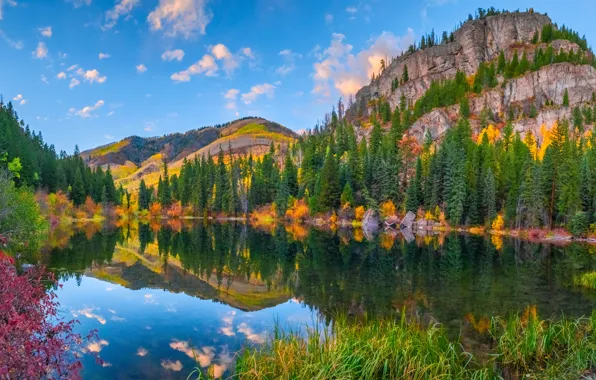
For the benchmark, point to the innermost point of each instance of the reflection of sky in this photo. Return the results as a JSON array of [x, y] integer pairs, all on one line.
[[150, 333]]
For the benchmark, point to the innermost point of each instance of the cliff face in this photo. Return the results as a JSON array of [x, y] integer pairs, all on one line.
[[476, 41], [546, 84]]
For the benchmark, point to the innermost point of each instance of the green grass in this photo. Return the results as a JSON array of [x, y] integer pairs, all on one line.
[[381, 349], [587, 280], [523, 346]]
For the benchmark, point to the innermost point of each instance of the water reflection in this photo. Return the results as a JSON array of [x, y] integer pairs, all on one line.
[[292, 273]]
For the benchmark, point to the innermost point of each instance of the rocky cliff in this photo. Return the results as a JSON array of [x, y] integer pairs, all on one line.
[[478, 41]]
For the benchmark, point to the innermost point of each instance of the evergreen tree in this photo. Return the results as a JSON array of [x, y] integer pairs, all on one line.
[[77, 194]]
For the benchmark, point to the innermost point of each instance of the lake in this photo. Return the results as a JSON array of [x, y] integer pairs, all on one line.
[[162, 295]]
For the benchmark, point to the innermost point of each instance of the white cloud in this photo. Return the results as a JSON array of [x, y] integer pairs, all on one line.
[[109, 137], [62, 56], [72, 67], [89, 312], [91, 76], [104, 56], [110, 114], [245, 329], [258, 90], [351, 9], [44, 79], [12, 43], [46, 32], [122, 8], [184, 18], [338, 68], [61, 75], [20, 99], [74, 82], [230, 61], [41, 51], [97, 346], [328, 18], [289, 56], [285, 69], [170, 55], [141, 68], [79, 3], [206, 65], [172, 366], [11, 3], [248, 52], [86, 112], [231, 93], [142, 351]]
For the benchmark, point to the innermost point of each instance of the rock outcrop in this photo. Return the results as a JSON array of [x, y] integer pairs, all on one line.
[[475, 42], [535, 88]]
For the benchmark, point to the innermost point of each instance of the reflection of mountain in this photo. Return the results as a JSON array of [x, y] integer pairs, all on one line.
[[251, 270], [135, 271]]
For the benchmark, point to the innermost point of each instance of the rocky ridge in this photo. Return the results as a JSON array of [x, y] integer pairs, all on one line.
[[480, 41]]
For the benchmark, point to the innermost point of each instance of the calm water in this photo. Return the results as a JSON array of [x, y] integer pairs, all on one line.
[[161, 295]]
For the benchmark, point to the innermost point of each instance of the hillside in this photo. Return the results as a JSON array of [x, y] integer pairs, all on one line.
[[135, 157], [557, 61]]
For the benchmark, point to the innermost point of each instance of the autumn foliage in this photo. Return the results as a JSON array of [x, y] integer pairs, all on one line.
[[35, 342]]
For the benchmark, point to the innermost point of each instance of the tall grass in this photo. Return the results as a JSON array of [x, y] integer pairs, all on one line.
[[383, 349], [528, 346], [523, 346]]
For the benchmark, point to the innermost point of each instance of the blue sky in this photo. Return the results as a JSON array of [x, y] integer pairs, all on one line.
[[89, 72]]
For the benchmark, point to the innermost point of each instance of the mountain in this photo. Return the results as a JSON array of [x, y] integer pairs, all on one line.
[[559, 62], [136, 157]]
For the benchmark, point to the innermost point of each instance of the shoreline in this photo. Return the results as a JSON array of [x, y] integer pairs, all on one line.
[[534, 235]]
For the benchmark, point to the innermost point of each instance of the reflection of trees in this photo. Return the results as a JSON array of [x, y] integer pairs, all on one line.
[[335, 275], [82, 252]]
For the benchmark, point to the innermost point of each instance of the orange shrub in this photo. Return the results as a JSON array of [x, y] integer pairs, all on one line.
[[90, 207], [175, 210], [359, 213], [298, 210], [387, 209], [155, 209]]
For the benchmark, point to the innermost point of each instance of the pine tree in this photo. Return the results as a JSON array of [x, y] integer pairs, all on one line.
[[501, 63], [165, 197], [405, 76], [490, 196], [77, 194], [566, 98]]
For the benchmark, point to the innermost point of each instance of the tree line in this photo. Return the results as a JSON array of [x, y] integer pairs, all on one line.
[[37, 165]]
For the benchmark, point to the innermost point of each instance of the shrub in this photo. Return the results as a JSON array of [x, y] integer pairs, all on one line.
[[21, 223], [387, 209], [33, 337]]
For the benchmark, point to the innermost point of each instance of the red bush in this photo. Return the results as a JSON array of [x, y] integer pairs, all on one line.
[[35, 342]]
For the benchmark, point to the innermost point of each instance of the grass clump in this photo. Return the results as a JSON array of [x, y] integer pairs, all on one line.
[[523, 346], [587, 280], [383, 349], [535, 348]]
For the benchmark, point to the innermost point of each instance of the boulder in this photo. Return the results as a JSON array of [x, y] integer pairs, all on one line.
[[407, 221]]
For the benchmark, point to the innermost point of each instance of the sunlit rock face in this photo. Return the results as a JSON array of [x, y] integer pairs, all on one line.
[[475, 42]]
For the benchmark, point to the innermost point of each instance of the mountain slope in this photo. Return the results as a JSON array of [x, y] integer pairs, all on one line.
[[135, 157]]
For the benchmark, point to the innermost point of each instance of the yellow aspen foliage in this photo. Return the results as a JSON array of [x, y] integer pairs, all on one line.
[[497, 241], [429, 216], [492, 133], [545, 137], [530, 142], [388, 209], [387, 241], [498, 223]]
